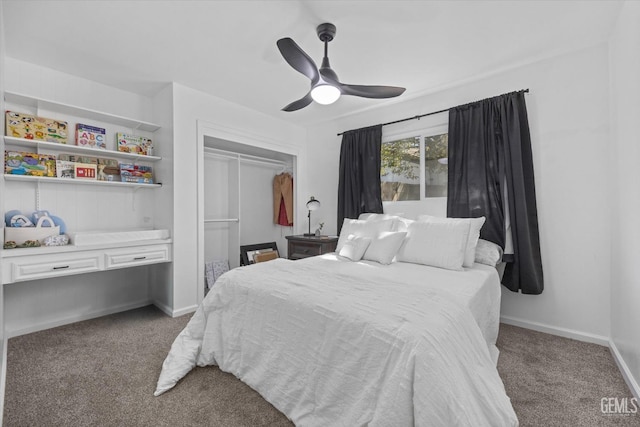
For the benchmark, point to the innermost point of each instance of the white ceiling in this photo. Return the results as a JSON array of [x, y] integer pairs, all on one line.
[[228, 48]]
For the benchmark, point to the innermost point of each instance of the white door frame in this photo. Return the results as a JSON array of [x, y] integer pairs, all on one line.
[[214, 130]]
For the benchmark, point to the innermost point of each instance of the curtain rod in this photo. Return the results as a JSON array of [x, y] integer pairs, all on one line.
[[429, 114]]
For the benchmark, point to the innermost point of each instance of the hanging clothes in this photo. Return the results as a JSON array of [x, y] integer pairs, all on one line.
[[283, 199]]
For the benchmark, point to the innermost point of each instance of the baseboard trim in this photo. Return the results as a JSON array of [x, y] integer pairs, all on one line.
[[624, 369], [554, 330], [174, 313], [186, 310], [163, 308], [10, 333]]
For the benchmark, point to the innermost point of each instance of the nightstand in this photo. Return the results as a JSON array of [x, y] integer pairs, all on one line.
[[303, 247]]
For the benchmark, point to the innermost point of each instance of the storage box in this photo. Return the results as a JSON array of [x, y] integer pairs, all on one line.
[[22, 234], [21, 125]]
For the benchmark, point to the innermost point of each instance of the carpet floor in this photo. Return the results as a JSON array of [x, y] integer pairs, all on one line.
[[102, 372]]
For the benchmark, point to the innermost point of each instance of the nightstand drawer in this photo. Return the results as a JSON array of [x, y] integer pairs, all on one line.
[[303, 250], [307, 246]]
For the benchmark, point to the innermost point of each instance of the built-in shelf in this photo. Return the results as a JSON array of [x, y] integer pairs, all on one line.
[[34, 143], [62, 108], [51, 180]]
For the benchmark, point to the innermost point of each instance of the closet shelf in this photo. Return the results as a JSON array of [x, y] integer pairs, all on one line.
[[9, 177], [73, 110], [9, 140]]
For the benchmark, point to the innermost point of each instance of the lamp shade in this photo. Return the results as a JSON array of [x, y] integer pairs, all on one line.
[[313, 204], [325, 94]]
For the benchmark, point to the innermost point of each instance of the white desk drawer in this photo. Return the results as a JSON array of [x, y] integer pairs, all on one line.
[[140, 255], [51, 268]]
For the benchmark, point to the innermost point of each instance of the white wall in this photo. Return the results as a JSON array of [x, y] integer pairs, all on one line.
[[569, 117], [41, 304], [625, 147], [193, 109], [162, 274], [256, 206], [2, 108]]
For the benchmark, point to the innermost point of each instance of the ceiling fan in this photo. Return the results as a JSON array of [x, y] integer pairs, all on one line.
[[325, 86]]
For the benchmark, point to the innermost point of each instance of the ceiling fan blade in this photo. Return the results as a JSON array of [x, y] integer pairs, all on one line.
[[377, 92], [298, 59], [300, 103]]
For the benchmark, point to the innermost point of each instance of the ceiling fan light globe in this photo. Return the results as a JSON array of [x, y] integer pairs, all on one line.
[[325, 94]]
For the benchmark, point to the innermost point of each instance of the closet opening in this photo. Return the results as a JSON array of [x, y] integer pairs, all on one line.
[[236, 201]]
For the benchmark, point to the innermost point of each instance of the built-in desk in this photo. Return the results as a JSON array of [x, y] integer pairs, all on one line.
[[24, 264]]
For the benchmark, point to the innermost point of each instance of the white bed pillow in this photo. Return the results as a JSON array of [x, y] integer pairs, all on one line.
[[354, 247], [475, 224], [362, 228], [400, 223], [488, 253], [438, 244], [384, 247], [366, 215]]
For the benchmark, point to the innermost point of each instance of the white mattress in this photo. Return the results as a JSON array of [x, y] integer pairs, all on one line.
[[330, 342], [478, 288]]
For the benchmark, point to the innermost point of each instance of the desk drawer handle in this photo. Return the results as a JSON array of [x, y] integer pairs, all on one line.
[[61, 268], [140, 258]]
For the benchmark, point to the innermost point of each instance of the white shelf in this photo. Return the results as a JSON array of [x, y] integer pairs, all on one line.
[[51, 180], [73, 110], [97, 152]]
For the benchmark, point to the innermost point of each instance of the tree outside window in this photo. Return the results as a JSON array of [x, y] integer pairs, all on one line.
[[400, 170], [401, 175]]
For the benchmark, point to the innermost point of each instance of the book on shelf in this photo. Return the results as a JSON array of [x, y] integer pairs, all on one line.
[[48, 161], [130, 172], [65, 169], [91, 136], [85, 171], [134, 144], [27, 126], [106, 169], [31, 164]]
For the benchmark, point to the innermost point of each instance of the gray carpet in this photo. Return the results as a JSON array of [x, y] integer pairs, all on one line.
[[102, 372]]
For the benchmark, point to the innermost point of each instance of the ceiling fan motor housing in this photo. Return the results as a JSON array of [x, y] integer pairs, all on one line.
[[326, 32]]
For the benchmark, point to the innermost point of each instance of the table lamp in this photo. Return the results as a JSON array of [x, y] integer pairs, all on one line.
[[312, 205]]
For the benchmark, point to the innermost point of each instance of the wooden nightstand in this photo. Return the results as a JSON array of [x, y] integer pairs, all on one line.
[[303, 247]]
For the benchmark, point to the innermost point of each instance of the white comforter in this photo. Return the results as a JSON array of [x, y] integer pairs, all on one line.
[[335, 343]]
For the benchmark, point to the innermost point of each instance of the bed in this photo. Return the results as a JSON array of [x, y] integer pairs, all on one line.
[[330, 341]]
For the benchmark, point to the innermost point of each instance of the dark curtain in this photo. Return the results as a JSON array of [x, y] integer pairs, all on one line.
[[359, 180], [490, 147]]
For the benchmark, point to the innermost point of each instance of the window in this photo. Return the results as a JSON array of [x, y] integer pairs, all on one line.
[[400, 171], [414, 167], [435, 165]]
